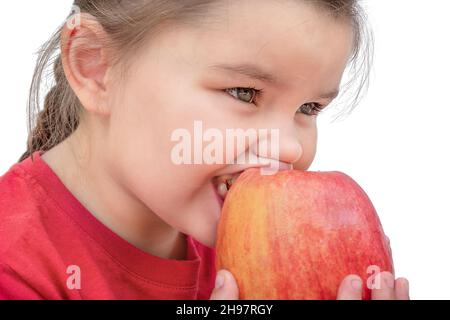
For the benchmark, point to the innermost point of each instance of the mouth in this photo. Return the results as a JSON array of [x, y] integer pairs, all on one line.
[[222, 184]]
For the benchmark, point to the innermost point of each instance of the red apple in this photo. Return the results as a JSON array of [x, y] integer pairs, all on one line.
[[297, 234]]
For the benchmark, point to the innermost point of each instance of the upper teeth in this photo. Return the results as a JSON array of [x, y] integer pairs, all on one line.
[[225, 183], [222, 189]]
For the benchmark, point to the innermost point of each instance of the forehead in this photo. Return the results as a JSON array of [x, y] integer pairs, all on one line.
[[300, 46], [290, 39]]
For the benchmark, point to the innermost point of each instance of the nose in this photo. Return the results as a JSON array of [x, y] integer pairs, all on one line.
[[279, 149]]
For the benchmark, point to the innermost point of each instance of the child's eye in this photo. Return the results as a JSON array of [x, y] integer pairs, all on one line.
[[246, 95], [310, 109]]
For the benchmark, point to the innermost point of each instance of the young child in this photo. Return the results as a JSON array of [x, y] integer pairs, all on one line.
[[97, 208]]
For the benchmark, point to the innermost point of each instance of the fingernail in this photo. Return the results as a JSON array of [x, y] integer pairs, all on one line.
[[356, 284], [220, 280]]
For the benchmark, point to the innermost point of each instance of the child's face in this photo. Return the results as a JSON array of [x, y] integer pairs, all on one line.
[[172, 85]]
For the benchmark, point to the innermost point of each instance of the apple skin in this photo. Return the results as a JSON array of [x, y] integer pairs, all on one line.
[[297, 234]]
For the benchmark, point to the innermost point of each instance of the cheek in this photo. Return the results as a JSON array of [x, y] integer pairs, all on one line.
[[144, 119], [309, 145], [142, 132], [309, 156]]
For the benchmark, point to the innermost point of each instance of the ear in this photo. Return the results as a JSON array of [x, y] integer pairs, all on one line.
[[85, 62]]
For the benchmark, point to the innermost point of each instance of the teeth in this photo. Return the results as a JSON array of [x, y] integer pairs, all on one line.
[[224, 184], [222, 189], [225, 178]]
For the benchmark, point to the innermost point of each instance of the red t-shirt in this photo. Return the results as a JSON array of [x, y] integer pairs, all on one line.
[[51, 247]]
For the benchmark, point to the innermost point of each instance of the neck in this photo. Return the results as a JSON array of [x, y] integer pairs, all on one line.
[[84, 171]]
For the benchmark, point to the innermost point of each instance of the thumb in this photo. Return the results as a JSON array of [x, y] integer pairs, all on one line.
[[226, 287]]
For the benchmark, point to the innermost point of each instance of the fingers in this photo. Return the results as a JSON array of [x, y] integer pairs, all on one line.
[[385, 287], [226, 287], [350, 288], [402, 289]]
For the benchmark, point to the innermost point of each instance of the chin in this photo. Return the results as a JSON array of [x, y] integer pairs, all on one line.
[[206, 211], [206, 231], [207, 237]]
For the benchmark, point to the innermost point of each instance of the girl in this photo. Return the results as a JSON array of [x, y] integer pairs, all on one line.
[[97, 208]]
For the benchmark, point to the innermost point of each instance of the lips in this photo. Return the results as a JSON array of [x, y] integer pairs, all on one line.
[[223, 183]]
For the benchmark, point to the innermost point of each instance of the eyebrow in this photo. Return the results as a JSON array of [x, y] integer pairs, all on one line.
[[248, 70], [255, 72]]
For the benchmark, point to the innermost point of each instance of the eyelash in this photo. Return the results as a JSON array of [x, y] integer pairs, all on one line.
[[258, 92]]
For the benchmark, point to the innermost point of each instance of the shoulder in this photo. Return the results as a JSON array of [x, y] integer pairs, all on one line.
[[18, 205], [13, 184], [17, 191]]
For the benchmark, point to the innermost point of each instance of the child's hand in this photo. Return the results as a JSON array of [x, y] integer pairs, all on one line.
[[390, 289], [350, 288], [226, 287]]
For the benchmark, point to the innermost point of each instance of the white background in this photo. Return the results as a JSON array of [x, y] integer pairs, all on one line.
[[395, 144]]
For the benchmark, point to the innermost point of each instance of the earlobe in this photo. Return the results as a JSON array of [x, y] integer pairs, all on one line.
[[85, 63]]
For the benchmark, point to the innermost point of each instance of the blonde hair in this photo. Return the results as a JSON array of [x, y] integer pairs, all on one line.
[[128, 24]]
